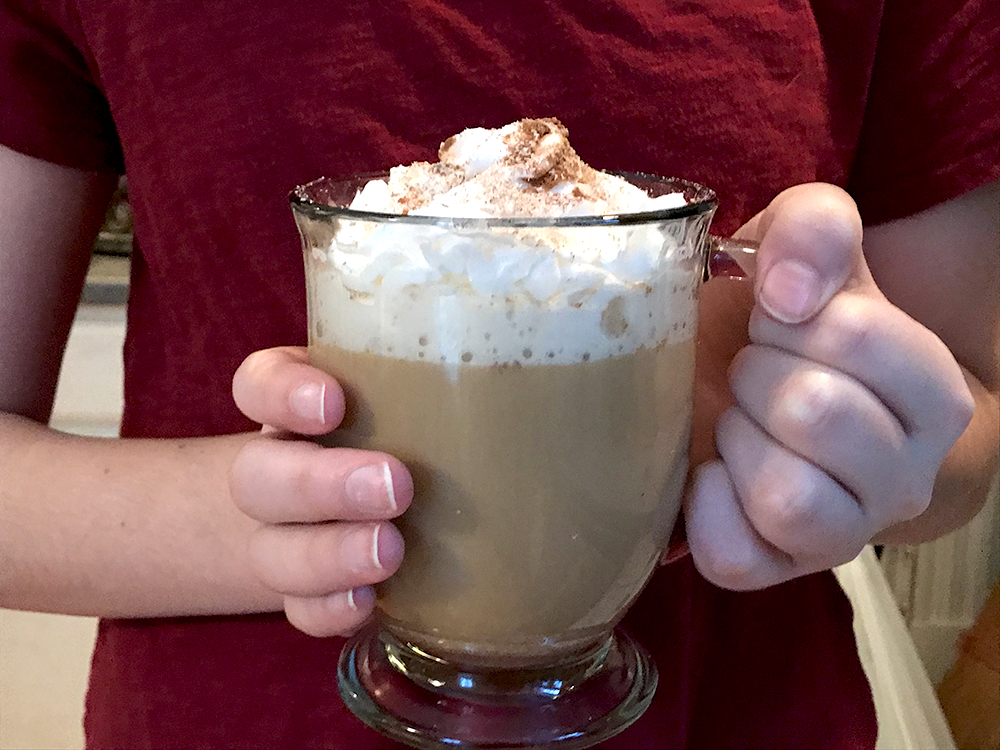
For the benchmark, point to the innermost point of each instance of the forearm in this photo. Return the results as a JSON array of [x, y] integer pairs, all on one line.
[[122, 528], [964, 479]]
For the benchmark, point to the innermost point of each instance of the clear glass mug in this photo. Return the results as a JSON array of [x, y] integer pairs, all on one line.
[[535, 375]]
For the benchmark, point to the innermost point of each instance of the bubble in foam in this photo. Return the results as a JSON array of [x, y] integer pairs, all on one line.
[[444, 324]]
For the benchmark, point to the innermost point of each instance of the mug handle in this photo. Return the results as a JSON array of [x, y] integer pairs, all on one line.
[[733, 258], [730, 257]]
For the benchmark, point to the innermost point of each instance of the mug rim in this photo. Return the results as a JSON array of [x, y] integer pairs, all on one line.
[[703, 200]]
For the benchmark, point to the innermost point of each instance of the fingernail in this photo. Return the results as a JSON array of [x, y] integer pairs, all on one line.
[[362, 550], [362, 597], [375, 554], [790, 291], [371, 487], [309, 401]]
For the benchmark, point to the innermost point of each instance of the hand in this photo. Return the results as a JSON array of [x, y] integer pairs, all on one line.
[[325, 535], [846, 407]]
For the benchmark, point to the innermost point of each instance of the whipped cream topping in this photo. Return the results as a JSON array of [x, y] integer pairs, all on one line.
[[527, 168], [489, 295]]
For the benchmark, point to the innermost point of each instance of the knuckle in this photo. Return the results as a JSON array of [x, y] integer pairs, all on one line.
[[321, 553], [305, 479], [245, 475], [848, 332], [959, 409], [820, 207], [913, 505], [908, 496], [846, 549], [785, 509], [255, 364], [806, 402], [855, 548], [297, 561], [912, 502], [726, 566]]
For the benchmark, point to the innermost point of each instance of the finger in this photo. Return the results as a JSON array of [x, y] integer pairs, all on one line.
[[810, 247], [295, 481], [341, 613], [724, 545], [828, 419], [791, 503], [279, 387], [904, 364], [314, 560]]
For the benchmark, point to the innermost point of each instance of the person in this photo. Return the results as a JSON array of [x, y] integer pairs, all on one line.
[[847, 395]]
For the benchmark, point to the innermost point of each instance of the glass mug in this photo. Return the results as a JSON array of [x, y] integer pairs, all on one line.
[[542, 403]]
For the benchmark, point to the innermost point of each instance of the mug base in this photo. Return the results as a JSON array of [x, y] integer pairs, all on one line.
[[383, 682]]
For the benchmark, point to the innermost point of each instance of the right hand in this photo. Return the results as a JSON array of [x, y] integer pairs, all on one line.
[[324, 535]]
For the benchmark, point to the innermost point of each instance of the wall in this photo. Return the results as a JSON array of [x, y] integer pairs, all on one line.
[[44, 659]]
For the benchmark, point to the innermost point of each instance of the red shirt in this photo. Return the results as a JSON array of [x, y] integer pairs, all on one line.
[[216, 109]]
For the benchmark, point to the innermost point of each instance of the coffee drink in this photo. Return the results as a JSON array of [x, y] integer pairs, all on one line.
[[518, 329], [534, 377], [543, 492]]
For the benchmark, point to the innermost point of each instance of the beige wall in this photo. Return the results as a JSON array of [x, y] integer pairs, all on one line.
[[44, 659]]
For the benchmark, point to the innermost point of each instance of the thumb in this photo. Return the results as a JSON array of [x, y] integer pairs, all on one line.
[[810, 248]]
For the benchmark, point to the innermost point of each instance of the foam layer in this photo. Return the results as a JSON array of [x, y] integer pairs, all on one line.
[[489, 296], [434, 325]]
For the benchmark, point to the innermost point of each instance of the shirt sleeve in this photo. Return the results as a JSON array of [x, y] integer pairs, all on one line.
[[51, 106], [931, 128]]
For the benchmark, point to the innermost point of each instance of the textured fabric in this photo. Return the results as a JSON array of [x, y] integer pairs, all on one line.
[[933, 119], [217, 109]]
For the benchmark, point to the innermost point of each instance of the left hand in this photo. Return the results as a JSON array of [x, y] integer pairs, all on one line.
[[846, 407]]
